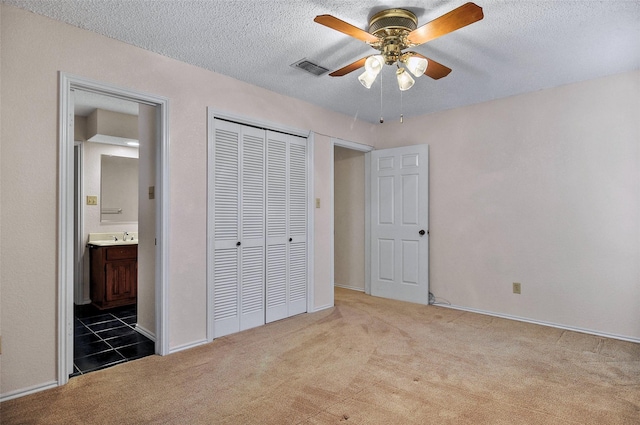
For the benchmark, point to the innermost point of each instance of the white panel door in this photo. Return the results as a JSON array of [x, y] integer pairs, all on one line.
[[399, 223], [286, 275], [238, 227]]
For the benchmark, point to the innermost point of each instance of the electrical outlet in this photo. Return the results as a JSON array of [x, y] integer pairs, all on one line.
[[517, 288], [92, 200]]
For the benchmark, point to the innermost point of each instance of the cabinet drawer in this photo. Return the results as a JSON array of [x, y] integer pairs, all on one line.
[[122, 253]]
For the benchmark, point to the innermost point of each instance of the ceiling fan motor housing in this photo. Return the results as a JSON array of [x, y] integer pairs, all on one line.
[[392, 27], [390, 19]]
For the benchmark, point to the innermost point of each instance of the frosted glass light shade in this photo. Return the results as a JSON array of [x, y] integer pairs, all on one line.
[[417, 65], [374, 64], [367, 78], [405, 82]]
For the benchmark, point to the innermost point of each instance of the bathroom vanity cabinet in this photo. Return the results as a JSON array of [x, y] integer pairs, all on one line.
[[114, 275]]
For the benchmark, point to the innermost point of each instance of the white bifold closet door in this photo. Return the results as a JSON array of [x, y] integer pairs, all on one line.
[[258, 223], [239, 228], [286, 271]]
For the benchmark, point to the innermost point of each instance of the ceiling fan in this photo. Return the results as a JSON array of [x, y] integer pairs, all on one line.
[[391, 31]]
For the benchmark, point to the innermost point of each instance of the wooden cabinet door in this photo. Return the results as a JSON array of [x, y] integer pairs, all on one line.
[[120, 280]]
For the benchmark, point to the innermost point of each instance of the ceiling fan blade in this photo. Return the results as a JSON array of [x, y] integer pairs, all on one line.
[[340, 25], [434, 69], [461, 17], [349, 68]]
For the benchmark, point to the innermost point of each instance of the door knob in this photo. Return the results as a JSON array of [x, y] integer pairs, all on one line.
[[238, 243], [290, 239], [421, 232]]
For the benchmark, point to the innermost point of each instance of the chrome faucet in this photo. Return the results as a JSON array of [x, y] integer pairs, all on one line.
[[124, 236]]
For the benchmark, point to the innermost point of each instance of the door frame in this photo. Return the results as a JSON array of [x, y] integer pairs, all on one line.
[[213, 114], [78, 272], [67, 84], [367, 209]]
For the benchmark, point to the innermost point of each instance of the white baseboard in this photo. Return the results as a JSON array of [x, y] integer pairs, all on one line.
[[543, 323], [353, 288], [29, 390], [187, 346], [146, 332]]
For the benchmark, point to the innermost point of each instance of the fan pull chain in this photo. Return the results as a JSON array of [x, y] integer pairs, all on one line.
[[401, 109], [381, 119]]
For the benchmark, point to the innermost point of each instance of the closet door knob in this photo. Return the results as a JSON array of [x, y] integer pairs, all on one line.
[[238, 244], [421, 232], [290, 239]]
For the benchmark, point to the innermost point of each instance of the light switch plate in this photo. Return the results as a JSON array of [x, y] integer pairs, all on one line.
[[92, 200], [517, 288], [317, 202]]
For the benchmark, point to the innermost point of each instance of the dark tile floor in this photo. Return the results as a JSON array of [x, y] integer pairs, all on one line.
[[106, 338]]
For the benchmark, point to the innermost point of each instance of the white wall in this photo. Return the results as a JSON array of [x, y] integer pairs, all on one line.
[[541, 189], [34, 50], [349, 212]]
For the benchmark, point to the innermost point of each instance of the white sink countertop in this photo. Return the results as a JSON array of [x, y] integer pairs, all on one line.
[[113, 239]]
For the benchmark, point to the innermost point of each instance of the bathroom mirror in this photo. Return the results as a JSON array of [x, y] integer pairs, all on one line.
[[119, 189]]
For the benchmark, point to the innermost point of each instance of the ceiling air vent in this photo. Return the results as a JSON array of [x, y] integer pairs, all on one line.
[[307, 65]]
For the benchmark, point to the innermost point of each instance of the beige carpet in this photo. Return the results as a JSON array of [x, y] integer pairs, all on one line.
[[366, 361]]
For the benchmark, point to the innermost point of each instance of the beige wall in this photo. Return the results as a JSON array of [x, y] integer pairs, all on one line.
[[34, 50], [349, 210], [541, 189]]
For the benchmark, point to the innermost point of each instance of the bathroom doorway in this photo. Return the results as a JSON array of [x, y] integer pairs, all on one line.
[[81, 192], [110, 172]]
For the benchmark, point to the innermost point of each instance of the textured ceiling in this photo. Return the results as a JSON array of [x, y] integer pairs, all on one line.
[[520, 46]]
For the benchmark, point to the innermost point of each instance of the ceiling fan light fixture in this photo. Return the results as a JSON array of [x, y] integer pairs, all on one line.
[[374, 64], [417, 65], [405, 82], [367, 78]]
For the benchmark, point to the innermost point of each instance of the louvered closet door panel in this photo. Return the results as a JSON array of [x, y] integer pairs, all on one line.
[[239, 228], [297, 186], [286, 226], [276, 283], [252, 225], [252, 288], [225, 292], [226, 184], [226, 229], [276, 189]]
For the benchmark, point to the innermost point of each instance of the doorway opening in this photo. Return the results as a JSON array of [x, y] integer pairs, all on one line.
[[111, 174], [147, 318], [350, 211]]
